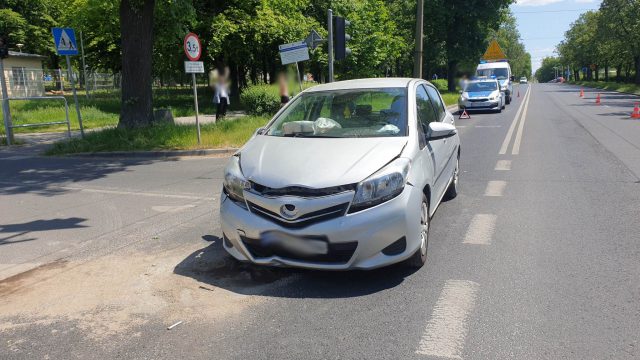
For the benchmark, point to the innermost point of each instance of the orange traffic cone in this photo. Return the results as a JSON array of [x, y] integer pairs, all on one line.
[[581, 93], [464, 115], [598, 99], [636, 112]]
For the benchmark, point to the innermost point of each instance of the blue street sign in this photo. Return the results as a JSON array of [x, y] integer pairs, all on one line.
[[65, 41]]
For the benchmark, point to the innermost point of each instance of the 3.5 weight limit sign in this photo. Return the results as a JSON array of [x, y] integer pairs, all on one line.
[[192, 47]]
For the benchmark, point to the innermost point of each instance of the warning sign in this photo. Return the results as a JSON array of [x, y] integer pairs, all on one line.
[[65, 41], [494, 52]]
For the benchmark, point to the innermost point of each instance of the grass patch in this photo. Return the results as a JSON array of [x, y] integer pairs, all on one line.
[[614, 86], [232, 133], [450, 98]]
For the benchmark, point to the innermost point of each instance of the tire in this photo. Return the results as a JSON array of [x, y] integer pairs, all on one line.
[[419, 258], [452, 191], [508, 101]]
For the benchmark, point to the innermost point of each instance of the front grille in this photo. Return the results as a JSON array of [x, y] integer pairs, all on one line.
[[338, 253], [300, 191], [304, 220], [478, 100]]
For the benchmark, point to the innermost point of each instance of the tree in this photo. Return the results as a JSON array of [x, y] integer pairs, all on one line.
[[136, 32], [623, 14], [547, 70], [509, 39]]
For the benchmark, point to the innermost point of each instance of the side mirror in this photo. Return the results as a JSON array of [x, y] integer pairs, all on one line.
[[259, 131], [512, 78], [460, 92], [439, 130]]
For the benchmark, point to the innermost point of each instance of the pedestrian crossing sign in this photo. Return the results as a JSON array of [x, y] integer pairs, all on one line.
[[494, 52], [65, 41]]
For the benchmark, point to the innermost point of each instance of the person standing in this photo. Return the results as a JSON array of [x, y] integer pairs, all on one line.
[[284, 89], [221, 97]]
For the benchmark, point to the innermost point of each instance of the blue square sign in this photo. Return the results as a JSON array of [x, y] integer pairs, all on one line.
[[65, 41]]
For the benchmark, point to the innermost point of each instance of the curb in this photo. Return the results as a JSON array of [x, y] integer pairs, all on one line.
[[155, 154]]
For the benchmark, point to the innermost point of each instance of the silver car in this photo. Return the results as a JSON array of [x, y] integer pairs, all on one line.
[[346, 176]]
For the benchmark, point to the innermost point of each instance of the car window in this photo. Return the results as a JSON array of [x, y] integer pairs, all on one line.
[[438, 106], [481, 86], [426, 113]]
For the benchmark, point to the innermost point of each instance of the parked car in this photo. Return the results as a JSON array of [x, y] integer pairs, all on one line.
[[523, 80], [482, 94], [346, 176]]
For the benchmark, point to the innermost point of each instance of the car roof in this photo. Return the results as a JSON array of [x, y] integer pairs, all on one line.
[[483, 80], [371, 83]]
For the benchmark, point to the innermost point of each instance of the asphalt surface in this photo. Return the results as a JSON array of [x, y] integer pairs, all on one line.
[[537, 257]]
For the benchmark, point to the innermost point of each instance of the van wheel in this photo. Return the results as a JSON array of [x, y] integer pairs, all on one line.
[[419, 258], [508, 100]]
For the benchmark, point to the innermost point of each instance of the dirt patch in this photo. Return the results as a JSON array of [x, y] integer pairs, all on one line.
[[111, 295]]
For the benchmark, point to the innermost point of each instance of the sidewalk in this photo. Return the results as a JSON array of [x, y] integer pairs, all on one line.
[[208, 119]]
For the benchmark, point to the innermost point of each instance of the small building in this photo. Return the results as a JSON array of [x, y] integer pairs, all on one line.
[[24, 74]]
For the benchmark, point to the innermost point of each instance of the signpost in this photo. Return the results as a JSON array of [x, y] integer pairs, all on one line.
[[6, 113], [193, 50], [294, 53], [65, 42]]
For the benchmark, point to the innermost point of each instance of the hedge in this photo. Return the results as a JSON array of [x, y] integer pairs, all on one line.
[[261, 99]]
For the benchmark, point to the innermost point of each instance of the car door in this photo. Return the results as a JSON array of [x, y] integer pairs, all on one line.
[[450, 144], [435, 150]]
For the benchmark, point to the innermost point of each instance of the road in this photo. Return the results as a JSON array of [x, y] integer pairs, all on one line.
[[537, 258]]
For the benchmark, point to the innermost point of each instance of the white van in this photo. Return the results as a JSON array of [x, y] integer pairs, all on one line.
[[500, 71]]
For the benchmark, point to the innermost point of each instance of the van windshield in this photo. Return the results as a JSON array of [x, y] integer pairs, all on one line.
[[344, 114], [500, 73]]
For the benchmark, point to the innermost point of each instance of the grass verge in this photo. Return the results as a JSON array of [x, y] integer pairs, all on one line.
[[614, 86], [232, 133]]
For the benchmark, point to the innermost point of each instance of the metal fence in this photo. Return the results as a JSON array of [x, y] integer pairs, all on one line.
[[24, 82]]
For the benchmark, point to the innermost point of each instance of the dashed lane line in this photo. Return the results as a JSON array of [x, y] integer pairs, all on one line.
[[495, 188], [503, 165], [446, 330], [481, 229]]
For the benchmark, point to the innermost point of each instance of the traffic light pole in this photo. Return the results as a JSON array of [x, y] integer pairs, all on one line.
[[330, 42], [6, 113]]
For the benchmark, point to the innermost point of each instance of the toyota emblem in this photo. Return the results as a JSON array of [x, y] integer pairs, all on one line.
[[288, 211]]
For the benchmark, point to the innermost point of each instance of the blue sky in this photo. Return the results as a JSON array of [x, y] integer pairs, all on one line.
[[542, 23]]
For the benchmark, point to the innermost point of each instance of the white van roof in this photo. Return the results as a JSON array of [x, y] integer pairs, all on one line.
[[494, 65]]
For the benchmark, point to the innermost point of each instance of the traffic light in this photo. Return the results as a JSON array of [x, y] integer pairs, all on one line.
[[341, 37], [4, 47]]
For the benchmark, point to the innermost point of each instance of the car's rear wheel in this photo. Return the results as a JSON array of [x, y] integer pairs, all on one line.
[[508, 100], [419, 258]]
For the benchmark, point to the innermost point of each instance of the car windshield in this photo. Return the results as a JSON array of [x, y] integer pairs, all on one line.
[[344, 114], [499, 73], [482, 86]]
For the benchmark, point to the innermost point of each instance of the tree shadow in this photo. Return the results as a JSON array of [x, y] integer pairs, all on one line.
[[21, 229], [212, 265], [45, 175]]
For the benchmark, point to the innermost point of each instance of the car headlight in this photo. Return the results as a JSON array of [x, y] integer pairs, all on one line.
[[464, 96], [382, 186], [234, 182]]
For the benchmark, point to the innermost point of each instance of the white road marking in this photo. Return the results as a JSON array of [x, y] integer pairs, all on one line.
[[481, 229], [495, 188], [448, 326], [507, 139], [516, 143], [488, 126], [503, 165]]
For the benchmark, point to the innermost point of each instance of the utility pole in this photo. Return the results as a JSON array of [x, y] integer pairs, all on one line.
[[330, 42], [417, 63]]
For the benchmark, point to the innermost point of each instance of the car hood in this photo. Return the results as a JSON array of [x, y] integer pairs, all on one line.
[[316, 163]]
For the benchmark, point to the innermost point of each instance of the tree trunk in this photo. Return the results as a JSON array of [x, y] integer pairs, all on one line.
[[606, 72], [619, 73], [597, 73], [136, 34], [451, 78]]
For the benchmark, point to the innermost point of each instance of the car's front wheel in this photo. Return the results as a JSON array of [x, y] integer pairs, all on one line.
[[419, 258]]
